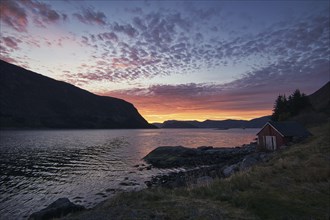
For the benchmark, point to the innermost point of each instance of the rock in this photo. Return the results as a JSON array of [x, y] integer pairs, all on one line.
[[148, 183], [57, 209], [202, 165], [131, 183], [249, 161], [213, 173], [266, 156], [101, 194], [229, 170], [110, 190], [178, 156], [204, 180], [165, 157]]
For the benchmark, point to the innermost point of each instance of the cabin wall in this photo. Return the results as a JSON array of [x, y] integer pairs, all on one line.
[[270, 131]]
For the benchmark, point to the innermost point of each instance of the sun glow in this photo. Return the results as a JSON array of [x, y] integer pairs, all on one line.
[[159, 116]]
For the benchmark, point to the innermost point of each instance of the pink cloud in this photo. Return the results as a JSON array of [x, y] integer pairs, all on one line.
[[195, 102], [16, 14], [11, 42], [13, 15]]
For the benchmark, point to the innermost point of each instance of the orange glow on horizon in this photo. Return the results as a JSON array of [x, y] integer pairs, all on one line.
[[158, 116], [160, 109]]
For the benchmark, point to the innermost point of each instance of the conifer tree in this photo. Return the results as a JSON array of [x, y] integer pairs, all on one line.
[[280, 108], [285, 108]]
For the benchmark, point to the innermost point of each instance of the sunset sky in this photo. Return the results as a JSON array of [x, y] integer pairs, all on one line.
[[184, 60]]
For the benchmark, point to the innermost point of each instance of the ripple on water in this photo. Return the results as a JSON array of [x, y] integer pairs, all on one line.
[[87, 166]]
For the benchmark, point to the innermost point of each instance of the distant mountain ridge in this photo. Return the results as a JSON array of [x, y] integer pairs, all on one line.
[[31, 100], [219, 124], [318, 112]]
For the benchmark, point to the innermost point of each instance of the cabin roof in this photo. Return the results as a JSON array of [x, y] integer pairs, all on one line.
[[288, 129]]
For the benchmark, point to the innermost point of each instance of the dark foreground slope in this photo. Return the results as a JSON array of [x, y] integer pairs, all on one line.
[[30, 100]]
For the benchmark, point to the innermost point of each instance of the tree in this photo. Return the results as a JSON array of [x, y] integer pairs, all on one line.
[[286, 108], [297, 102], [280, 108]]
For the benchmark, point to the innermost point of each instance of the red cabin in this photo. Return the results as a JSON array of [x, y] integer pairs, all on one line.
[[274, 135]]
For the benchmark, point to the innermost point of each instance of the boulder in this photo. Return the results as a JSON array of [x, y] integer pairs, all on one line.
[[57, 209], [249, 161], [229, 170]]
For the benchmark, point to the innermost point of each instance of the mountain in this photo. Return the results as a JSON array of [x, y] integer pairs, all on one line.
[[177, 124], [320, 99], [30, 100], [314, 114], [319, 111], [220, 124]]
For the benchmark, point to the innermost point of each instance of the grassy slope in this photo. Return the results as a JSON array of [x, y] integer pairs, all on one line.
[[295, 184]]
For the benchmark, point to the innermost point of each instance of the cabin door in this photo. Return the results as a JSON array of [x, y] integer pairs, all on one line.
[[270, 142]]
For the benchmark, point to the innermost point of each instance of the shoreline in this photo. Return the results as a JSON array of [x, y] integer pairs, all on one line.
[[215, 163], [198, 173]]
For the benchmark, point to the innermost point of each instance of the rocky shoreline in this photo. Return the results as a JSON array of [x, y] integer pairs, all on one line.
[[202, 165]]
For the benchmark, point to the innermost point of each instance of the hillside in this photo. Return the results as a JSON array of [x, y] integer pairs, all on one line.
[[320, 99], [319, 111], [30, 100], [220, 124]]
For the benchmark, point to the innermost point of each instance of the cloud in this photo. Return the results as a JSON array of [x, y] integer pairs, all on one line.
[[11, 42], [89, 16], [16, 14], [194, 101], [136, 10], [202, 13], [168, 42], [126, 29], [139, 23], [111, 36], [250, 96], [13, 15], [44, 12]]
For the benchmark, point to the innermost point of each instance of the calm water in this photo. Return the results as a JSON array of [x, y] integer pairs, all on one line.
[[87, 166]]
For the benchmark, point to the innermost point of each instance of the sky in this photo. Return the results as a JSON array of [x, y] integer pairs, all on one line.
[[183, 60]]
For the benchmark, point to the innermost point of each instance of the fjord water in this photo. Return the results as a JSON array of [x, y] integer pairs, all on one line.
[[87, 166]]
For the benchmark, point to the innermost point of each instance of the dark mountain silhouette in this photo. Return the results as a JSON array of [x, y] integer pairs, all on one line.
[[30, 100], [177, 124], [320, 99], [319, 110], [220, 124]]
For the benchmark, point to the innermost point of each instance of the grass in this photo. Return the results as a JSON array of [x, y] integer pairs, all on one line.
[[294, 184]]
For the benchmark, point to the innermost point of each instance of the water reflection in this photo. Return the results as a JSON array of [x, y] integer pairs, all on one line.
[[37, 167]]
